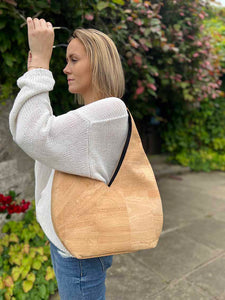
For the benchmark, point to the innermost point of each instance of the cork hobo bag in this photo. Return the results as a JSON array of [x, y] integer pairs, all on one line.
[[94, 219]]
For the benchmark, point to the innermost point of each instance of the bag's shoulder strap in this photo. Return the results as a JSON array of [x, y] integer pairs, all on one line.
[[124, 148]]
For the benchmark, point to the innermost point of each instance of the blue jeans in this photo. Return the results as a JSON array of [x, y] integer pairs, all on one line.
[[80, 279]]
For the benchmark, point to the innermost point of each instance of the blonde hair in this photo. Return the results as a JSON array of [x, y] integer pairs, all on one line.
[[107, 72]]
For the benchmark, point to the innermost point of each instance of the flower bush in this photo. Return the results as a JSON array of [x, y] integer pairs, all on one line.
[[9, 204], [168, 56], [25, 265], [161, 43]]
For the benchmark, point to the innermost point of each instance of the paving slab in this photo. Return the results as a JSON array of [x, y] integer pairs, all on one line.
[[184, 290], [207, 231], [128, 278], [179, 211], [183, 203], [206, 181], [211, 278], [175, 255], [220, 215]]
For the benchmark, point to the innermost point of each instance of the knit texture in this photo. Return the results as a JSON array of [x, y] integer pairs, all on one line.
[[87, 141]]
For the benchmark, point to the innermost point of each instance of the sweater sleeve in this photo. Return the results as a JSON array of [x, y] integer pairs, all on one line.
[[58, 142]]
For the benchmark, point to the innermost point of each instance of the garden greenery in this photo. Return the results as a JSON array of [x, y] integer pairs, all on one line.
[[25, 264], [214, 25], [168, 57], [196, 137]]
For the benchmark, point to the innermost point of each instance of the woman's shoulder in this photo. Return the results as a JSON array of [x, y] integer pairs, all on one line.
[[104, 109]]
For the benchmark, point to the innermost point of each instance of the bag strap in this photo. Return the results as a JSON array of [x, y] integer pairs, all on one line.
[[124, 149]]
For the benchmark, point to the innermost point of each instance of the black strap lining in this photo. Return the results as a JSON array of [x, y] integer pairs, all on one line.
[[124, 149]]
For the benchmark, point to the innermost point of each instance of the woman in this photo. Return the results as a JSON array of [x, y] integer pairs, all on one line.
[[87, 141]]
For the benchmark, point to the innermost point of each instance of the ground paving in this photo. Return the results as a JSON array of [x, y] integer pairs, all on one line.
[[189, 261]]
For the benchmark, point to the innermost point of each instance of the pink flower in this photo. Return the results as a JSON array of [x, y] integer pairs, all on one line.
[[195, 54], [142, 30], [133, 43], [129, 62], [198, 43], [138, 60], [182, 14], [201, 16], [139, 82], [129, 19], [89, 17], [191, 37], [139, 90], [152, 86], [138, 22]]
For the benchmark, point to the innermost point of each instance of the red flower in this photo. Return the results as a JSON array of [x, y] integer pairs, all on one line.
[[7, 204]]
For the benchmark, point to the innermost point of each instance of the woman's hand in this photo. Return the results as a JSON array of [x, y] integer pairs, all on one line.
[[41, 39]]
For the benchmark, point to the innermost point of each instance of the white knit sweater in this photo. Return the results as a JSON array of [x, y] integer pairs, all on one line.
[[87, 141]]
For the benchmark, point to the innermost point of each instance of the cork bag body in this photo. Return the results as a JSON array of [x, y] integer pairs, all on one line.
[[93, 219]]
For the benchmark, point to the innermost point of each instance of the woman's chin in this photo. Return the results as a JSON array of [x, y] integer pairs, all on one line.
[[72, 90]]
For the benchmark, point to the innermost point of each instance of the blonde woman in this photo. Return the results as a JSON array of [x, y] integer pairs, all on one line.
[[87, 141]]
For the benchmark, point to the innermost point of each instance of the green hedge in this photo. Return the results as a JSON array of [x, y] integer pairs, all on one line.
[[196, 137]]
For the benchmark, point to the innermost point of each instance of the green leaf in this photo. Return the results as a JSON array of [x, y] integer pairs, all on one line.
[[120, 2], [1, 261], [27, 261], [155, 22], [5, 228], [25, 271], [177, 27], [51, 287], [16, 271], [43, 291], [13, 238], [49, 273], [102, 5], [36, 265], [40, 250], [8, 59], [2, 24], [14, 259], [27, 285], [31, 277]]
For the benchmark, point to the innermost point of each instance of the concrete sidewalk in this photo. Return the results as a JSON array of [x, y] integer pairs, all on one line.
[[189, 261]]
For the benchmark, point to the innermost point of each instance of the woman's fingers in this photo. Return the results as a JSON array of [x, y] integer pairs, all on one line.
[[49, 25], [30, 24], [37, 24], [40, 39], [43, 23]]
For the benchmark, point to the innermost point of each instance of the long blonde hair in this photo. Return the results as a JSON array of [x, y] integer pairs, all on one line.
[[107, 72]]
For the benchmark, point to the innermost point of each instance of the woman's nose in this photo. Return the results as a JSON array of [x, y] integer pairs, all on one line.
[[66, 69]]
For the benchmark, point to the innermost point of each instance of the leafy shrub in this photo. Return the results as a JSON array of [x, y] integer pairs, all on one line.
[[214, 24], [25, 264], [164, 53], [196, 137]]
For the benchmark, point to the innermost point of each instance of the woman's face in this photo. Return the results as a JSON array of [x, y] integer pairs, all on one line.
[[78, 71]]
